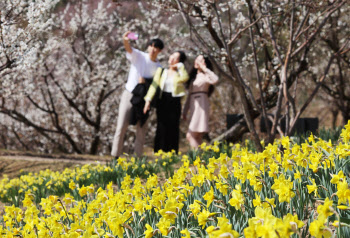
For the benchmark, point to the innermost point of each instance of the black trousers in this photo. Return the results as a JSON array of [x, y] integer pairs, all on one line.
[[168, 123]]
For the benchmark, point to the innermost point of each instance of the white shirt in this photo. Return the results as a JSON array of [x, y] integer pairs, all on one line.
[[141, 66], [167, 82]]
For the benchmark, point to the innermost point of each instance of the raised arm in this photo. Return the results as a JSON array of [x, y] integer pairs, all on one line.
[[182, 75], [211, 78], [135, 56], [152, 90], [126, 42]]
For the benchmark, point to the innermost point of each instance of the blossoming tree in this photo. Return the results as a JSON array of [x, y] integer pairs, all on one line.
[[66, 97], [62, 64], [20, 23]]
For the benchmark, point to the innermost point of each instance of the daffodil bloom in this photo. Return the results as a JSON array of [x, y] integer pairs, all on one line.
[[285, 142], [149, 231], [318, 229], [83, 191], [90, 188], [293, 219], [345, 133], [269, 202], [223, 187], [343, 192], [171, 209], [195, 209], [163, 226], [203, 217], [209, 196], [197, 162], [297, 175], [257, 201], [283, 188], [343, 207], [273, 170], [186, 233], [311, 138], [283, 227], [265, 222], [336, 178], [326, 209], [312, 188], [72, 185], [224, 229], [237, 199], [224, 172], [250, 231]]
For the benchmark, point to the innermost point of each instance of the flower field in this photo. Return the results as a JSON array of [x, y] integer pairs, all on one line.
[[288, 190]]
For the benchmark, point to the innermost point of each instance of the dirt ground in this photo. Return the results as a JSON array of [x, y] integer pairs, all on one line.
[[15, 163]]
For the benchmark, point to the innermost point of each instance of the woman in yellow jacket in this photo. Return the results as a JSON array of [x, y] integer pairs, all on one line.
[[168, 103]]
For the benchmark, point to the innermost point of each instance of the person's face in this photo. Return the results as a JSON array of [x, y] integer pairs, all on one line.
[[174, 58], [198, 61], [153, 51]]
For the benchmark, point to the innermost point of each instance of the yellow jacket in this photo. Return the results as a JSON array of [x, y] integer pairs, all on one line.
[[158, 81]]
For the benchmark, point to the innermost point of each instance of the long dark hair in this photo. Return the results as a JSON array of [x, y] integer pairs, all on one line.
[[182, 57], [193, 75]]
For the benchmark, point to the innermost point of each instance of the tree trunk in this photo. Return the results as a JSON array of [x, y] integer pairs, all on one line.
[[236, 132]]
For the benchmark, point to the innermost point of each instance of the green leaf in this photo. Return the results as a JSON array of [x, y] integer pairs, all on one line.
[[324, 151], [345, 220]]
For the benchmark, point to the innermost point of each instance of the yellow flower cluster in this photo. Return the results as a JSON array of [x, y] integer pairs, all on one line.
[[264, 224], [236, 193], [50, 180]]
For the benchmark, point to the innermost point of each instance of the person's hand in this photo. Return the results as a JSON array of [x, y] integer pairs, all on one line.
[[125, 36], [176, 66], [142, 80], [179, 65], [146, 107], [202, 65]]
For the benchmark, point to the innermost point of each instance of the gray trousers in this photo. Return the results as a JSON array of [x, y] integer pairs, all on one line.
[[122, 125]]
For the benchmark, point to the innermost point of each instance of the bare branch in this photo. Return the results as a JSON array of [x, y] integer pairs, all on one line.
[[308, 101], [316, 32], [257, 72], [240, 31]]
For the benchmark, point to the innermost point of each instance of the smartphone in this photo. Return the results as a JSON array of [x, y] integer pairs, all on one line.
[[133, 36]]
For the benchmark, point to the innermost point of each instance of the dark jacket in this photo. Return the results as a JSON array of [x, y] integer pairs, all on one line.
[[138, 103]]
